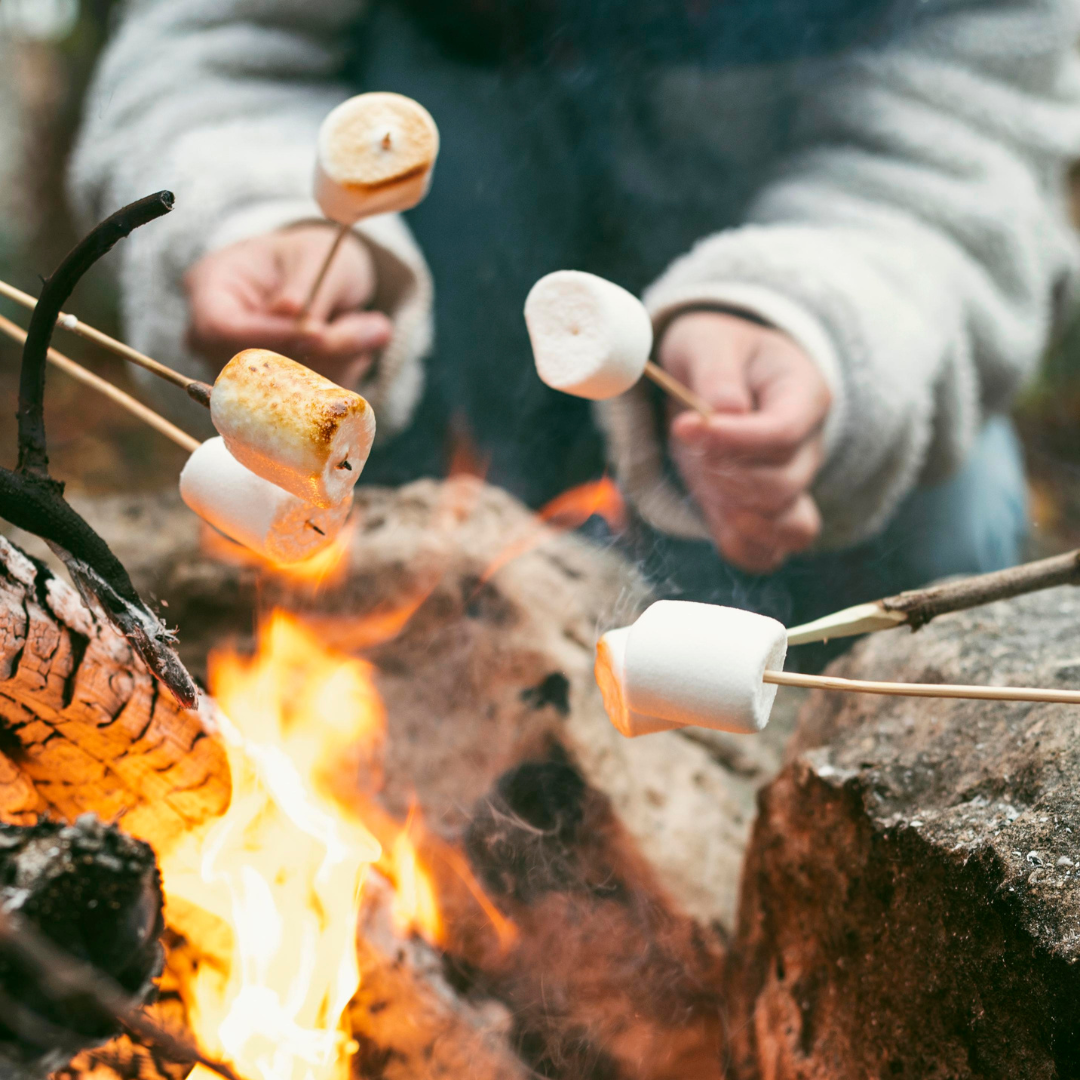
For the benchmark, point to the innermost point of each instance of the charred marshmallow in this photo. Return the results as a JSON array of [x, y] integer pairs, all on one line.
[[590, 337], [291, 426], [252, 511], [375, 156], [692, 664]]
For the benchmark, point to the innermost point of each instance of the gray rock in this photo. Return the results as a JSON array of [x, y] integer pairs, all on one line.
[[910, 903]]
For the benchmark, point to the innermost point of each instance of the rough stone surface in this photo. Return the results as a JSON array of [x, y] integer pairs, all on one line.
[[911, 900]]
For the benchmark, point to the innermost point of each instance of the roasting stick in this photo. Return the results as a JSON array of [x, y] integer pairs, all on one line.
[[339, 237], [679, 391], [917, 607], [197, 391], [934, 690], [126, 401], [684, 664]]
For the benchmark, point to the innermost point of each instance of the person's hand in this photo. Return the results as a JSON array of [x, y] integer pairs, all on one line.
[[750, 466], [248, 295]]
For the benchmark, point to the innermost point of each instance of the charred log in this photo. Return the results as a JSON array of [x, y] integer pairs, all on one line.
[[93, 894], [82, 724]]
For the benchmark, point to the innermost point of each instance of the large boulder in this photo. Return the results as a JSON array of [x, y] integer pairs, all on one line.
[[911, 896]]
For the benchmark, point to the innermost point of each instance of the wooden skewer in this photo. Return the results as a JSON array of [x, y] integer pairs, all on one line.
[[935, 690], [679, 391], [342, 232], [137, 408], [917, 607], [197, 391]]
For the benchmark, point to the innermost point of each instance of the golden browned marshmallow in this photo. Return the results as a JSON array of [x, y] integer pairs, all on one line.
[[375, 156], [291, 426], [254, 512]]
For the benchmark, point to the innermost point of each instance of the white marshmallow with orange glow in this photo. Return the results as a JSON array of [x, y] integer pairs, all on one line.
[[291, 426], [686, 664], [252, 511], [610, 671], [375, 156], [590, 337]]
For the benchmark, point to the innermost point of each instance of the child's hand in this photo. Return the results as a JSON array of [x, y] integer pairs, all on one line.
[[750, 467], [248, 295]]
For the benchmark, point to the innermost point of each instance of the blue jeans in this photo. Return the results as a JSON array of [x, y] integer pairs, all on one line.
[[974, 522]]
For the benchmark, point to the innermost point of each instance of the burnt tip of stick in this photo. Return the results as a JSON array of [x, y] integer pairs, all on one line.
[[200, 392]]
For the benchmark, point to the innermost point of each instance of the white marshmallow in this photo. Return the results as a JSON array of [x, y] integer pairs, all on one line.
[[375, 156], [254, 512], [702, 665], [610, 671], [291, 426], [589, 336]]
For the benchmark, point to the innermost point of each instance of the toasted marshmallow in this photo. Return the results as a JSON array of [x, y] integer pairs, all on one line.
[[375, 156], [252, 511], [610, 671], [589, 337], [291, 426], [696, 665]]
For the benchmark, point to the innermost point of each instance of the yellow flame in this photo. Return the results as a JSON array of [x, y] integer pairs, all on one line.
[[270, 892], [415, 908]]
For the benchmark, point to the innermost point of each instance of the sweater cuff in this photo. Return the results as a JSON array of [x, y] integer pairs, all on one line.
[[404, 292], [774, 308]]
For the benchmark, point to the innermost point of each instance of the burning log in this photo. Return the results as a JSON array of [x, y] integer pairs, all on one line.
[[83, 724], [92, 892]]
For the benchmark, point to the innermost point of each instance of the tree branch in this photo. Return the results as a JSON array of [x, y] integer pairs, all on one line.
[[31, 499], [32, 448]]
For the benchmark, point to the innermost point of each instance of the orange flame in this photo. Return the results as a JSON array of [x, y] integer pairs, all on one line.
[[271, 890], [597, 498], [567, 511], [328, 567], [415, 907]]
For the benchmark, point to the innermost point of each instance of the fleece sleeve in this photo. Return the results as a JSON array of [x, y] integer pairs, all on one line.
[[220, 101], [916, 243]]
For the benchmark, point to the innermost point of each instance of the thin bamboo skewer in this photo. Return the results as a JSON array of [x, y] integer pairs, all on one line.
[[103, 386], [935, 690], [679, 391], [342, 232], [198, 391]]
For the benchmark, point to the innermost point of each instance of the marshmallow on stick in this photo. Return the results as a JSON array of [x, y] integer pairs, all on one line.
[[252, 511], [691, 664], [592, 339], [291, 426], [375, 156], [610, 671]]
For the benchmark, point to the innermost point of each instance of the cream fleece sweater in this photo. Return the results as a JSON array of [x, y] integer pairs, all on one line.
[[916, 242]]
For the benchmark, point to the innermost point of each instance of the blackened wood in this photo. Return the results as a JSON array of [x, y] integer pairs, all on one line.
[[33, 456]]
